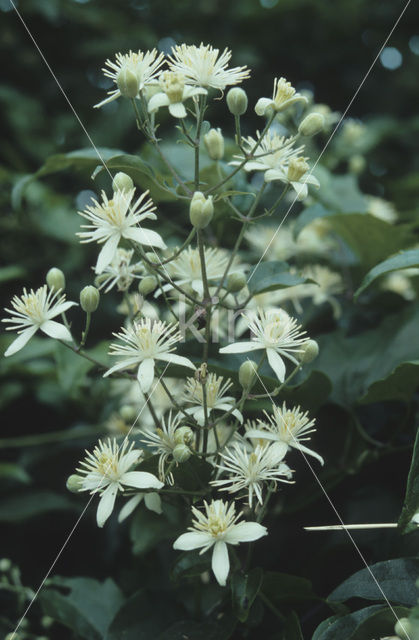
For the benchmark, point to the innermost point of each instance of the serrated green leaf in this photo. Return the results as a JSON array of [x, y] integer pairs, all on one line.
[[244, 589], [402, 260]]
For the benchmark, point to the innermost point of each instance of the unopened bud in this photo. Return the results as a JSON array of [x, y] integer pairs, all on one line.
[[296, 169], [403, 628], [237, 101], [89, 298], [183, 435], [47, 622], [127, 82], [357, 164], [147, 285], [74, 483], [122, 182], [55, 279], [127, 412], [247, 374], [5, 564], [312, 124], [201, 210], [236, 282], [309, 352], [181, 453], [153, 257], [214, 143]]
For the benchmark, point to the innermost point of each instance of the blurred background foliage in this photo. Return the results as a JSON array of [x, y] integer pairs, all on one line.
[[326, 47]]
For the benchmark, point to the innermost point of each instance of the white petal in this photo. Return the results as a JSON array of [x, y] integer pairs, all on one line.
[[177, 110], [107, 253], [192, 540], [120, 365], [276, 363], [246, 532], [157, 101], [20, 341], [146, 374], [153, 502], [145, 236], [310, 452], [114, 95], [129, 507], [56, 330], [175, 359], [241, 347], [106, 504], [254, 166], [273, 174], [141, 480], [61, 308], [260, 433], [261, 105], [220, 562], [300, 189]]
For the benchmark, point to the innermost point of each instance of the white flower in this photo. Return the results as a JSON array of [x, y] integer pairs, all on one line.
[[174, 93], [249, 471], [120, 271], [152, 502], [147, 341], [286, 426], [274, 152], [144, 66], [201, 66], [284, 95], [162, 441], [216, 400], [217, 528], [275, 331], [115, 219], [107, 471], [34, 310], [297, 174]]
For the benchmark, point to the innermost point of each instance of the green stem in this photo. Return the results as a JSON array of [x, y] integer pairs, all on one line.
[[203, 265], [86, 330], [197, 142], [152, 411]]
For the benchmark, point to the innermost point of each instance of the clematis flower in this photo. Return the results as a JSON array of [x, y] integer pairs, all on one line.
[[145, 342], [152, 502], [163, 441], [108, 470], [174, 94], [202, 66], [274, 152], [215, 390], [277, 333], [218, 527], [115, 219], [120, 272], [296, 174], [34, 310], [286, 427], [284, 95]]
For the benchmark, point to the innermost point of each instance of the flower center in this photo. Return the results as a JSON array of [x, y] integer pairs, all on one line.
[[145, 339], [32, 306], [216, 525], [173, 85], [274, 331], [283, 91], [107, 464], [296, 169]]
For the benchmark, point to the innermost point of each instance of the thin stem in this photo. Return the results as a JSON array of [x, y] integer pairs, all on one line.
[[205, 407], [172, 399], [203, 265], [86, 330], [152, 411]]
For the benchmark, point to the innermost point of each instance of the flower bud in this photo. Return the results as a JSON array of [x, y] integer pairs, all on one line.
[[312, 124], [296, 169], [237, 101], [153, 257], [247, 374], [55, 279], [147, 285], [309, 352], [122, 182], [47, 622], [127, 412], [236, 282], [183, 435], [127, 82], [181, 453], [74, 483], [357, 164], [89, 299], [5, 564], [403, 628], [214, 143], [201, 210]]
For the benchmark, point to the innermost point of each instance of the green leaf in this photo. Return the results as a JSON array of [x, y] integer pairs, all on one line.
[[148, 529], [11, 471], [283, 587], [292, 628], [340, 193], [88, 608], [71, 369], [190, 630], [401, 384], [365, 624], [411, 499], [190, 564], [12, 272], [402, 260], [194, 474], [33, 503], [244, 589], [396, 578], [270, 276]]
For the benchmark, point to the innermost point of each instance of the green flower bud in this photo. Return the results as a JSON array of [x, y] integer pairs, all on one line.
[[74, 483], [153, 257], [403, 628], [310, 351], [357, 164], [147, 285], [247, 374], [89, 299], [5, 564], [201, 210], [214, 143], [183, 435], [55, 279], [237, 101], [127, 82], [122, 182], [181, 453], [312, 124], [47, 622], [127, 412], [236, 282]]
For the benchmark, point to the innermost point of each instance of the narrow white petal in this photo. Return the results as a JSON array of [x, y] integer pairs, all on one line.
[[260, 433], [192, 540], [153, 502], [106, 504], [141, 480], [310, 452], [20, 341], [175, 359], [276, 363], [120, 365], [220, 562], [241, 347], [146, 374], [56, 330], [177, 110], [145, 236], [246, 532], [129, 507], [157, 101], [107, 253], [61, 308], [114, 95], [300, 189], [273, 174]]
